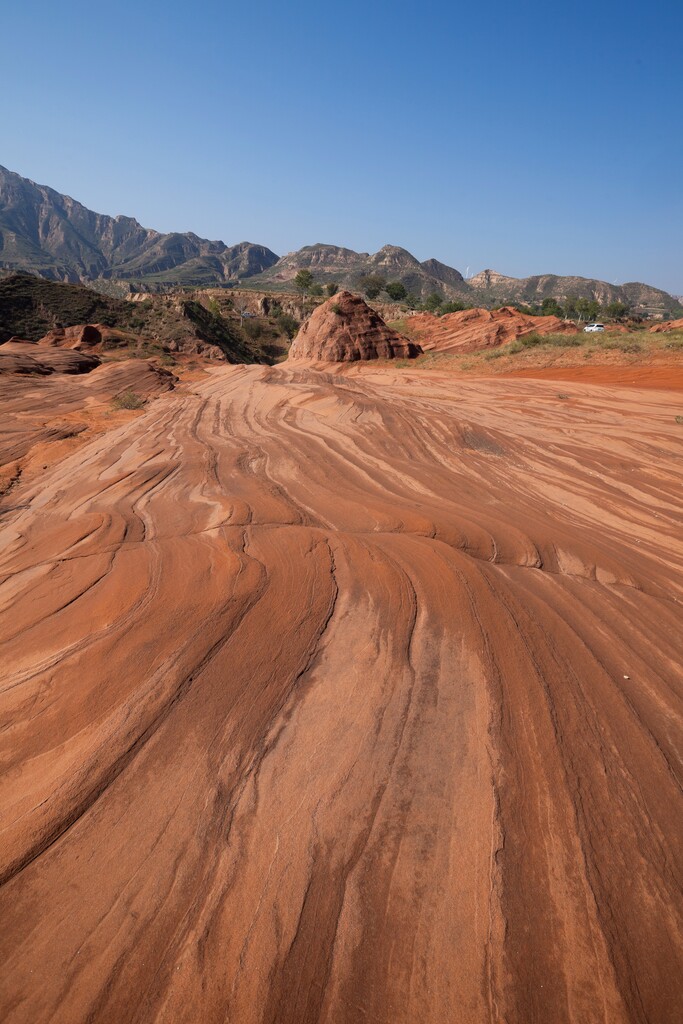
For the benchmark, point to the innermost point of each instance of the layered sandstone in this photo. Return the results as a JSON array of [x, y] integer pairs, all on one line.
[[473, 329], [342, 698], [345, 329], [25, 357]]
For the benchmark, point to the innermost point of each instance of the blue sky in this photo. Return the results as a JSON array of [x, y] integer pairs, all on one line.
[[524, 136]]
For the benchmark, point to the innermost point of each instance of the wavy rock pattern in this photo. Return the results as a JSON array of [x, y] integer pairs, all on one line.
[[341, 698]]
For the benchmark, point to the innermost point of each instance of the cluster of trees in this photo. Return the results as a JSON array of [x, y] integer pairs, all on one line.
[[306, 284], [573, 308], [373, 285]]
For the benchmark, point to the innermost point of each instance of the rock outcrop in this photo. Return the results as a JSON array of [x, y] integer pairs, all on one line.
[[473, 329], [345, 329], [81, 336], [667, 325], [27, 358]]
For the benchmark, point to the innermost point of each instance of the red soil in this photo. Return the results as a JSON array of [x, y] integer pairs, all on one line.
[[667, 377]]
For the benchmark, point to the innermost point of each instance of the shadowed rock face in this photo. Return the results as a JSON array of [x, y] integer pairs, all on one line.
[[81, 336], [345, 329], [341, 698]]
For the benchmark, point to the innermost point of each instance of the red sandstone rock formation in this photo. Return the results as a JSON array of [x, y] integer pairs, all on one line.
[[473, 329], [345, 329], [667, 325], [342, 699], [26, 357], [79, 337]]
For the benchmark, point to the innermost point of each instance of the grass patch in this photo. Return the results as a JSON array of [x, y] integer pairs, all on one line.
[[127, 400], [564, 340]]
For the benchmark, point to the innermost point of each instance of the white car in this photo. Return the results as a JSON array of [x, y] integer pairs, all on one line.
[[591, 328]]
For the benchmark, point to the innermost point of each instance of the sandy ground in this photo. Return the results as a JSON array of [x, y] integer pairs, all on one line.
[[346, 697]]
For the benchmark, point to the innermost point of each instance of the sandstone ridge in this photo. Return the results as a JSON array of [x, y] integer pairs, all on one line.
[[473, 329]]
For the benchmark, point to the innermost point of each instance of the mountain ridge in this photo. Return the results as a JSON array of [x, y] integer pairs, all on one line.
[[55, 236], [50, 234]]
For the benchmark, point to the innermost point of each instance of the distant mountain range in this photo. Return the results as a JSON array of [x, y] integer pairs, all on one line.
[[52, 235]]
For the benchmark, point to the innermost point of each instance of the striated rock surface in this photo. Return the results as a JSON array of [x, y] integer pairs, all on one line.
[[26, 357], [345, 329], [473, 329], [343, 698]]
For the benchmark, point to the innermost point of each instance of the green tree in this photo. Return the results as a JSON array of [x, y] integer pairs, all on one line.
[[588, 309], [332, 288], [551, 307], [617, 310], [432, 302], [396, 291], [303, 281], [372, 284], [570, 308], [412, 301], [452, 307], [316, 289]]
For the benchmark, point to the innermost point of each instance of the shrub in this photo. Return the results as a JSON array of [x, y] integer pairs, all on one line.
[[127, 400], [495, 354], [253, 329], [530, 340], [336, 308], [396, 291], [287, 324]]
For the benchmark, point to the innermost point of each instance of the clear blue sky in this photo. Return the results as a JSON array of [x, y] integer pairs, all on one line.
[[521, 135]]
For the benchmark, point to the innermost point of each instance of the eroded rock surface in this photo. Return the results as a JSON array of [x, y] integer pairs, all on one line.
[[345, 329], [473, 329], [330, 698]]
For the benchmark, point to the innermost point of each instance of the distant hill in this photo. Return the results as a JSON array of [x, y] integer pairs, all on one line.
[[494, 289], [46, 233], [346, 268]]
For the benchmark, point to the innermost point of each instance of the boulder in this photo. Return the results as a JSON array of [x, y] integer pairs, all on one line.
[[345, 329]]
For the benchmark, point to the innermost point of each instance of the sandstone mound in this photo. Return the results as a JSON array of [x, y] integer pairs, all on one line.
[[667, 325], [345, 329], [473, 329]]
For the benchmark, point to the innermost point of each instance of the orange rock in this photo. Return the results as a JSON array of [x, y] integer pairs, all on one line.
[[80, 336], [345, 329], [473, 329], [667, 325]]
